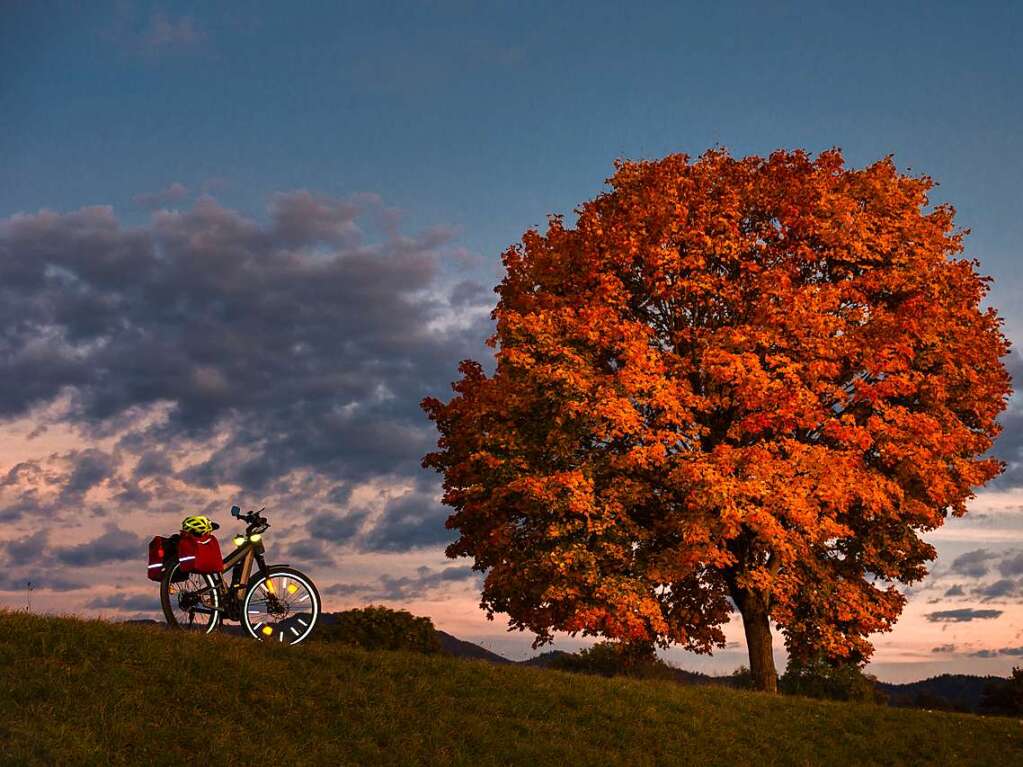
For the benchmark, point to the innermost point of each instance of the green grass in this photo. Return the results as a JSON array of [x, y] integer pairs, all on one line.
[[77, 692]]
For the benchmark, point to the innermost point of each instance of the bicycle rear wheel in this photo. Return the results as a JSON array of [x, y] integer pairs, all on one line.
[[281, 606], [190, 601]]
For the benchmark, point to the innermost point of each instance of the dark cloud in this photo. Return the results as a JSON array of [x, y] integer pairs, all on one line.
[[973, 564], [215, 349], [115, 545], [411, 521], [121, 601], [1000, 651], [945, 648], [309, 550], [42, 580], [153, 463], [1011, 565], [335, 528], [404, 588], [90, 467], [963, 615], [1014, 364], [24, 504], [998, 590], [26, 551], [955, 591], [469, 292], [1009, 445]]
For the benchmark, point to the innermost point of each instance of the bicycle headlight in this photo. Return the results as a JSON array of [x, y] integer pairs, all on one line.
[[255, 537]]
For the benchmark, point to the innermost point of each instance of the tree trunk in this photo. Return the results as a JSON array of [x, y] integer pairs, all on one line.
[[757, 625]]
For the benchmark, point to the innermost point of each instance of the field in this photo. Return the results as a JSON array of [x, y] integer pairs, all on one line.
[[80, 692]]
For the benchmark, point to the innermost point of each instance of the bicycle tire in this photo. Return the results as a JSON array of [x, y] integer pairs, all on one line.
[[168, 589]]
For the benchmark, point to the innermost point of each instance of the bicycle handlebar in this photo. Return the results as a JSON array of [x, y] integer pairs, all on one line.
[[255, 522]]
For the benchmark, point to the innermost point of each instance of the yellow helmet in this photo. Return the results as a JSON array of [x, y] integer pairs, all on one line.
[[198, 524]]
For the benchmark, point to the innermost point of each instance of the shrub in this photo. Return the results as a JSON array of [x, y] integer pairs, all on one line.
[[820, 677], [380, 628], [617, 659], [741, 678]]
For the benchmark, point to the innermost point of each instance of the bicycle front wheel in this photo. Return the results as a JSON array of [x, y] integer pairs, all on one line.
[[190, 601], [282, 606]]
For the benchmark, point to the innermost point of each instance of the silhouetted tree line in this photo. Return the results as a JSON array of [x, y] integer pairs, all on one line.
[[1004, 697]]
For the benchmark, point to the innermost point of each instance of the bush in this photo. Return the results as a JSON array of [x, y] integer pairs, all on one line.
[[617, 659], [380, 628], [823, 678], [741, 678]]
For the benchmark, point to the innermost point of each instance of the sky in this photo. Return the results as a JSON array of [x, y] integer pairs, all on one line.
[[240, 242]]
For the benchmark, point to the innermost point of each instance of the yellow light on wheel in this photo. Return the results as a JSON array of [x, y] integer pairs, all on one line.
[[269, 586], [238, 540], [267, 631], [292, 588]]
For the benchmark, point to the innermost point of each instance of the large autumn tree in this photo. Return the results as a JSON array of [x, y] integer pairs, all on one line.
[[735, 384]]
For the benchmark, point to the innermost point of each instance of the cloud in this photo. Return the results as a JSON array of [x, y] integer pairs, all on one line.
[[1011, 565], [469, 292], [955, 591], [176, 192], [1000, 651], [309, 550], [973, 564], [997, 590], [48, 581], [1009, 445], [963, 615], [301, 217], [944, 649], [115, 545], [411, 521], [404, 588], [120, 601], [333, 528], [89, 467], [282, 357], [26, 551]]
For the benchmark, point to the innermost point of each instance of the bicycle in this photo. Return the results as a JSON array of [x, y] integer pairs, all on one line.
[[280, 603]]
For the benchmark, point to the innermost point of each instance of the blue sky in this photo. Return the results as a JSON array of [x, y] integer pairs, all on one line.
[[490, 116], [462, 124]]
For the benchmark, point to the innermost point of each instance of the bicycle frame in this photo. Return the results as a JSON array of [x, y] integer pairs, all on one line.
[[239, 563]]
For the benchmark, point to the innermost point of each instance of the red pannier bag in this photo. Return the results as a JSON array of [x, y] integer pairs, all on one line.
[[162, 555], [200, 554]]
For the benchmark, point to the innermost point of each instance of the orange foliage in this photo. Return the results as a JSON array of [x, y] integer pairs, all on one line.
[[751, 378]]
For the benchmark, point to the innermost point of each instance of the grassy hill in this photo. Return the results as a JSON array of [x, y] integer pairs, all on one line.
[[89, 692]]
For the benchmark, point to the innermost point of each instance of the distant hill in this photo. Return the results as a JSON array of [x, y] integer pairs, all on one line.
[[952, 692], [81, 692], [459, 648]]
